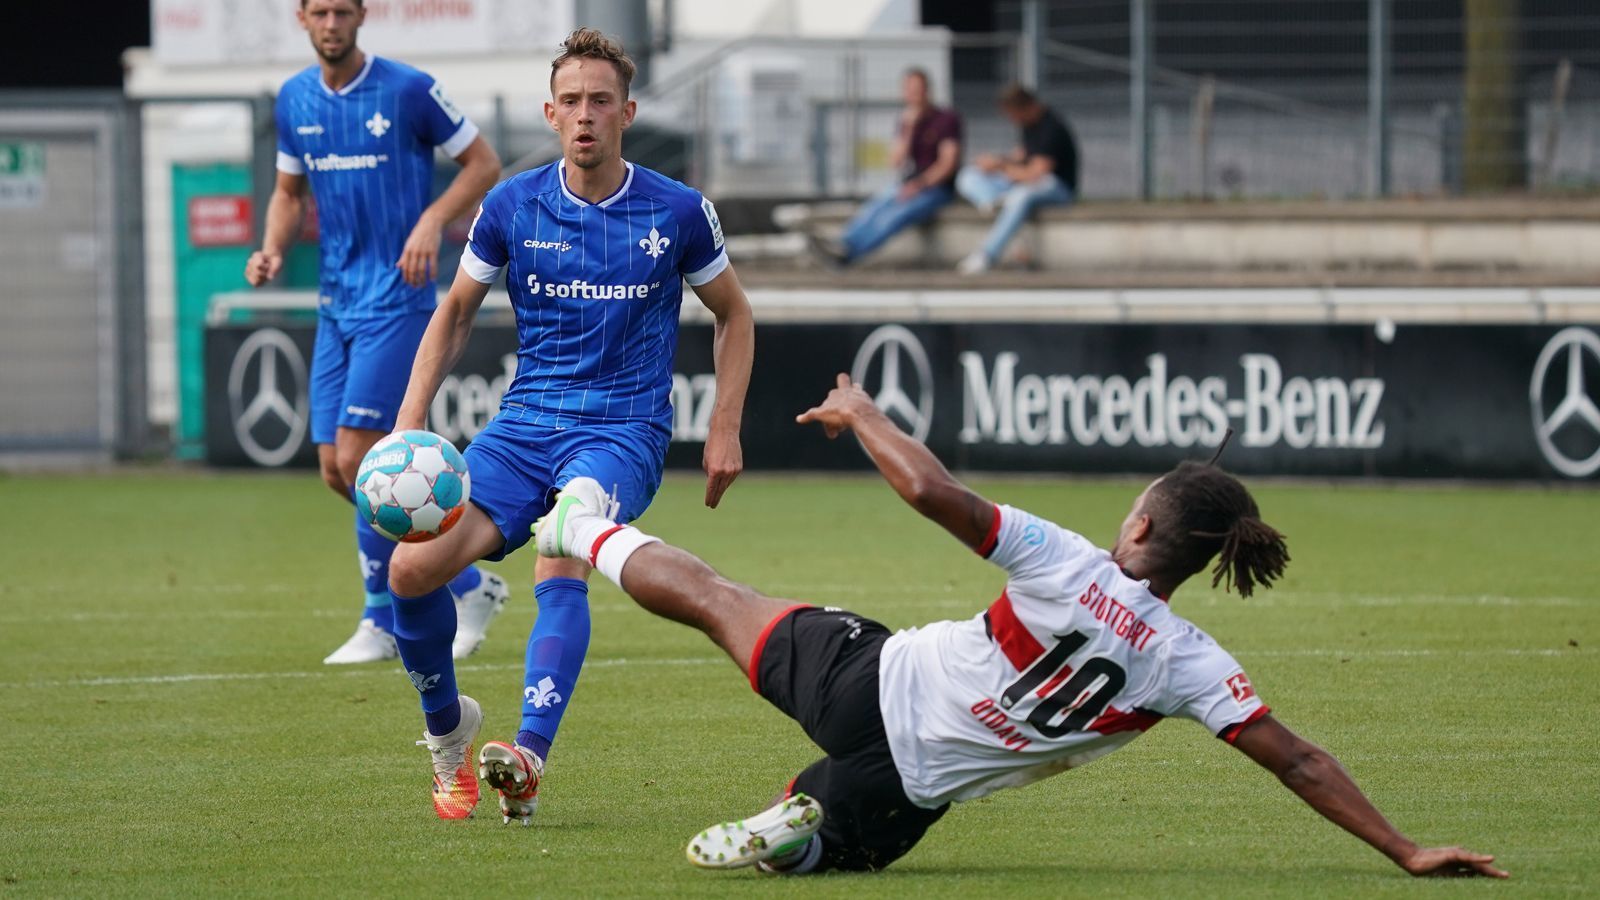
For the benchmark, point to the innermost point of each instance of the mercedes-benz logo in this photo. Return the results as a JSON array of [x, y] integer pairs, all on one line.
[[892, 395], [1575, 411], [276, 394]]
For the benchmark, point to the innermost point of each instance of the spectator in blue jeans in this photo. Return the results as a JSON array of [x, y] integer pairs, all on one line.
[[927, 148], [1042, 171]]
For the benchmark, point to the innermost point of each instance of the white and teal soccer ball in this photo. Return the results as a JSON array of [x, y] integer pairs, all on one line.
[[412, 486]]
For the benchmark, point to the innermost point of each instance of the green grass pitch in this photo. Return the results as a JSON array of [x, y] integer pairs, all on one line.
[[169, 730]]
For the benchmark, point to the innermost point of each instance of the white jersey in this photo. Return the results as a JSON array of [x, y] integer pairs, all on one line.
[[1073, 661]]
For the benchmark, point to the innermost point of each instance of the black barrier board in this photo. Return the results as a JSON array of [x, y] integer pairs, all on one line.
[[1430, 401]]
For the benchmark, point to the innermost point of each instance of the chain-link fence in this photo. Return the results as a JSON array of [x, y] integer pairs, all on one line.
[[1314, 98]]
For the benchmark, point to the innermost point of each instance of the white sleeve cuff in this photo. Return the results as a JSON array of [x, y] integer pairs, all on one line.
[[290, 165], [480, 271], [711, 270], [458, 142]]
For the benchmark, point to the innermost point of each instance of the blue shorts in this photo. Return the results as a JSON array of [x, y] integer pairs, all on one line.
[[517, 468], [359, 371]]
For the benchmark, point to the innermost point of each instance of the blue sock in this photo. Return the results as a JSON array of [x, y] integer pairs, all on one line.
[[556, 648], [444, 721], [468, 580], [423, 629], [373, 551]]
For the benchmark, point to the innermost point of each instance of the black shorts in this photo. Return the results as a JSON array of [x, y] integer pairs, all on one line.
[[820, 666]]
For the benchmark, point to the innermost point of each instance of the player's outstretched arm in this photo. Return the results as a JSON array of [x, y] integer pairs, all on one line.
[[284, 210], [1321, 782], [480, 168], [733, 351], [909, 467], [441, 348]]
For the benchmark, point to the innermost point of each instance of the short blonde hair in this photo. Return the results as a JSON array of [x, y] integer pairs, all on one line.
[[591, 43]]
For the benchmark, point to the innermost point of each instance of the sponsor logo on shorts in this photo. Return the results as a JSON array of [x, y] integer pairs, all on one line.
[[363, 411]]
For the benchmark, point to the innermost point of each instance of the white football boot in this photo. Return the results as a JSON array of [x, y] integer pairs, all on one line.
[[515, 772], [455, 784], [779, 831], [369, 644], [582, 500], [475, 610]]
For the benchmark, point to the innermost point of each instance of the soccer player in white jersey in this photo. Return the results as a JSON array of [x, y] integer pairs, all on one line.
[[360, 131], [594, 252], [1079, 655]]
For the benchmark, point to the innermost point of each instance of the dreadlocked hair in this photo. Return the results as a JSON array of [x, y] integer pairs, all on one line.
[[1197, 512]]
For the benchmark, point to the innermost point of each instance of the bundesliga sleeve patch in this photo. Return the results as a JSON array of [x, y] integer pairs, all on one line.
[[437, 93], [712, 220]]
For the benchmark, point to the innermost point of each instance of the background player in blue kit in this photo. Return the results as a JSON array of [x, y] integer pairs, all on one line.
[[595, 251], [362, 130]]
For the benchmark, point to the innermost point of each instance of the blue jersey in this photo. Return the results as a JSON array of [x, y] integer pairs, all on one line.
[[596, 289], [367, 149]]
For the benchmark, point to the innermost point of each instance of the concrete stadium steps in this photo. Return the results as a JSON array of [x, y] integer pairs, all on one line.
[[1557, 237]]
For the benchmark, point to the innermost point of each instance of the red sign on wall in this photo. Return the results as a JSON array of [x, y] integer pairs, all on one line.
[[221, 221]]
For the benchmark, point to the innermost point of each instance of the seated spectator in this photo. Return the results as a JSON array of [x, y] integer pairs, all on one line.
[[927, 148], [1043, 171]]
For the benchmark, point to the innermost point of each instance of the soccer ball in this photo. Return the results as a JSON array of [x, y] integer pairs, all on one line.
[[412, 486]]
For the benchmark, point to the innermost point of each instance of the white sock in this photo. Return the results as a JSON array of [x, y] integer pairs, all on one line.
[[616, 544]]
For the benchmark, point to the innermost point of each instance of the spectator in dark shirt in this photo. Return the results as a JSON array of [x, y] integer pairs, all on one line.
[[1043, 171], [927, 151]]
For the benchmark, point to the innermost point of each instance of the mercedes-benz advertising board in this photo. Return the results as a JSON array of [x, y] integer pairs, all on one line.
[[1427, 401]]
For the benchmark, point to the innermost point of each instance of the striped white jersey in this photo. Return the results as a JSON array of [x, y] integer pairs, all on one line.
[[596, 288], [1073, 661]]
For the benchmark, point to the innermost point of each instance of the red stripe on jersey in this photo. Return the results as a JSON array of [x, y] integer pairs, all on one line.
[[1114, 720], [1054, 682], [1231, 733], [992, 538], [761, 644], [1016, 642]]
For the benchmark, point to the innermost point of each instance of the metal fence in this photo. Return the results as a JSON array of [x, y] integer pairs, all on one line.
[[71, 302], [1311, 98]]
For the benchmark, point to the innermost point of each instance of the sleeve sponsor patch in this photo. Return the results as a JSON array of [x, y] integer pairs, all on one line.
[[437, 93], [1239, 684], [712, 221]]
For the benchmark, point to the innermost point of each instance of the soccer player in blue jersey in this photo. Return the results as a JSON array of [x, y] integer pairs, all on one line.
[[361, 130], [594, 251]]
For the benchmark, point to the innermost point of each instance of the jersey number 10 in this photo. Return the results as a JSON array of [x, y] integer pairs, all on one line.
[[1063, 689]]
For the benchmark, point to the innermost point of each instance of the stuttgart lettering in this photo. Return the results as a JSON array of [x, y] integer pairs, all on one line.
[[1157, 409]]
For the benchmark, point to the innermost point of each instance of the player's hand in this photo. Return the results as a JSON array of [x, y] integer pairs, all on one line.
[[988, 162], [907, 191], [419, 260], [837, 414], [1451, 862], [723, 461], [262, 267]]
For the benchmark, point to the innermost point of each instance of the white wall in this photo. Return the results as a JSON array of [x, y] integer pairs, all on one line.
[[809, 18]]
